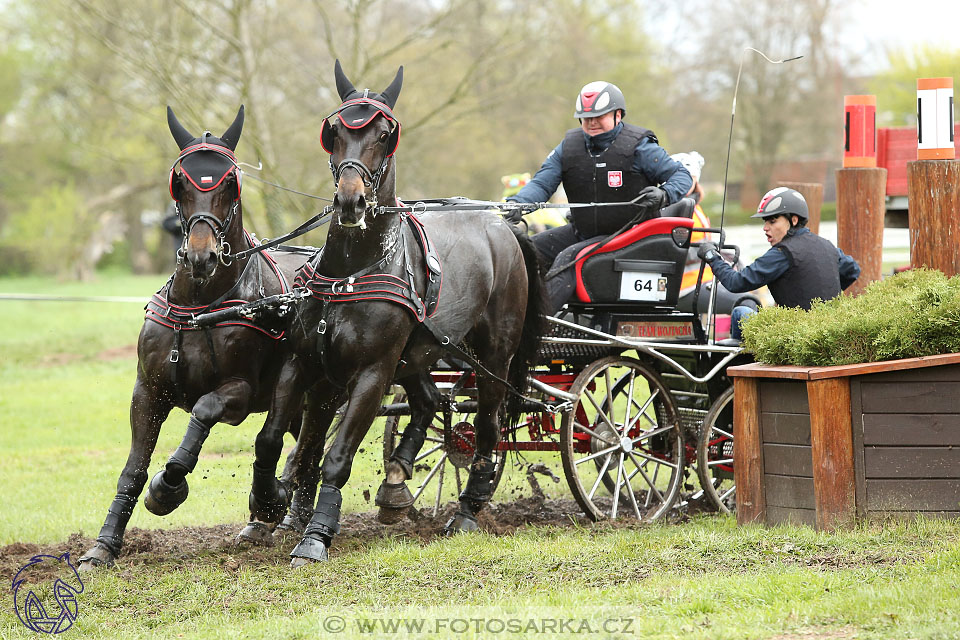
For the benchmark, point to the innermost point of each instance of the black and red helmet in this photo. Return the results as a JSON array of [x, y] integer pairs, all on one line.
[[782, 201], [598, 98]]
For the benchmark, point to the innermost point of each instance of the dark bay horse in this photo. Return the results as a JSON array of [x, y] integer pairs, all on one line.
[[379, 313], [220, 374]]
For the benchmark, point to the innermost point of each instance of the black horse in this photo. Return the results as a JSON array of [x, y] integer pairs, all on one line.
[[219, 374], [378, 314]]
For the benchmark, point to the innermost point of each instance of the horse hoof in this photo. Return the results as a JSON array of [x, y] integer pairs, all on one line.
[[394, 497], [309, 550], [163, 498], [256, 533], [460, 523], [386, 515], [97, 557]]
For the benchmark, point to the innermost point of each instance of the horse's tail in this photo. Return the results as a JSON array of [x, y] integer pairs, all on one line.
[[533, 326]]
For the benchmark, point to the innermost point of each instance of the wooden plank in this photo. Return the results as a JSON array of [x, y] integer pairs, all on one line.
[[909, 462], [909, 516], [788, 460], [831, 439], [786, 515], [783, 397], [785, 428], [748, 452], [911, 429], [946, 372], [856, 419], [910, 397], [913, 495], [821, 373], [934, 225], [786, 491]]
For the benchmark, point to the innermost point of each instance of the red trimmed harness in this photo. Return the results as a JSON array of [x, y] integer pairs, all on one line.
[[370, 284]]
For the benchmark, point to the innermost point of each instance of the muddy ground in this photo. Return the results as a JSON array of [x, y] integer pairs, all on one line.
[[150, 546]]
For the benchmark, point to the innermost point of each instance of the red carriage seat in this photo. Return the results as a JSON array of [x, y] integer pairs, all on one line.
[[641, 267]]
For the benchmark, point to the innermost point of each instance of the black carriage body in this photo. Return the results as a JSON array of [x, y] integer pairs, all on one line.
[[642, 268]]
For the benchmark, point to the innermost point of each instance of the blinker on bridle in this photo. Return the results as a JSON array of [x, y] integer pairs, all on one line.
[[219, 228], [371, 179]]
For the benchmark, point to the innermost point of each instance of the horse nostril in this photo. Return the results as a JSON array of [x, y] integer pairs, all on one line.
[[361, 202]]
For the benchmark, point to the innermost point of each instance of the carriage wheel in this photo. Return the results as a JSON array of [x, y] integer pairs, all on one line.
[[715, 454], [441, 468], [624, 432]]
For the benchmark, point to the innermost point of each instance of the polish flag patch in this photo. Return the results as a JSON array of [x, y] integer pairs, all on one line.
[[614, 179], [205, 179]]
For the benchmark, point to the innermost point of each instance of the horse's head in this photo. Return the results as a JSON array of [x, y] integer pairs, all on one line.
[[361, 137], [207, 191]]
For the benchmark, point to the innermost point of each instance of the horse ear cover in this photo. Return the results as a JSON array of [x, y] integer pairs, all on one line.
[[326, 137]]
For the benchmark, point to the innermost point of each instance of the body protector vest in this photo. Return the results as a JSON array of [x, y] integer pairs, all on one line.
[[606, 177], [814, 271]]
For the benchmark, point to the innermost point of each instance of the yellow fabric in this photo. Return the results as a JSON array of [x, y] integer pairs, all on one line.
[[692, 269]]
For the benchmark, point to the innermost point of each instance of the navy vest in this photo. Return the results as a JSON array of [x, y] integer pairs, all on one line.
[[606, 177], [814, 271]]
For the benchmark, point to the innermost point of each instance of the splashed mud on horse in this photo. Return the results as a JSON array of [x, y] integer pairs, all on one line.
[[218, 374], [378, 313]]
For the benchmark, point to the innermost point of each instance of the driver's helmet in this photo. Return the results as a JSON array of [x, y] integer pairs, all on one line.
[[782, 201], [598, 98], [692, 162]]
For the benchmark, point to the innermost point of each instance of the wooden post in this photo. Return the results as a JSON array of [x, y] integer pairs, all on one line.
[[831, 438], [933, 192], [748, 452], [812, 192], [860, 212]]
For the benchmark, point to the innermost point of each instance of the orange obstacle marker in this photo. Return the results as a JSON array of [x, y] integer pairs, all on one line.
[[860, 146], [935, 119]]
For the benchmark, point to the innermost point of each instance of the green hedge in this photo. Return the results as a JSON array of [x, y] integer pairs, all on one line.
[[914, 313]]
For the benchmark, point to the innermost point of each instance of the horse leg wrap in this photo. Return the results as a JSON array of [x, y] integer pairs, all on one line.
[[110, 540], [404, 454], [462, 522], [480, 483], [301, 509], [184, 459], [268, 496], [162, 498], [323, 526]]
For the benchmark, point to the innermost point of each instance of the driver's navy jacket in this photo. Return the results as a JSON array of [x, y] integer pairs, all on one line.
[[650, 160], [797, 269]]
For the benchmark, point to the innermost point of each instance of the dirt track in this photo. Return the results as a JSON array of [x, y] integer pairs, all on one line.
[[149, 546]]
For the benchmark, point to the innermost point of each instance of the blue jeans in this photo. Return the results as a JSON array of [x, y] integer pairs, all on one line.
[[738, 315]]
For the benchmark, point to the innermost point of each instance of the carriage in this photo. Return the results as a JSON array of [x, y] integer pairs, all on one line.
[[629, 390]]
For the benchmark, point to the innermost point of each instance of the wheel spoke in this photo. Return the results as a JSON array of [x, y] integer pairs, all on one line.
[[430, 475], [659, 461], [603, 471], [616, 492], [713, 463], [429, 452], [651, 483], [633, 497], [601, 413], [650, 434], [721, 432], [596, 454], [593, 434], [726, 494], [436, 504]]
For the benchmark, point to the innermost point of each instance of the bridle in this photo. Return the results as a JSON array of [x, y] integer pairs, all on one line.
[[219, 227], [371, 179]]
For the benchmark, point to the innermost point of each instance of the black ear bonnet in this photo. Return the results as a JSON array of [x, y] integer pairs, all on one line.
[[359, 108], [205, 161]]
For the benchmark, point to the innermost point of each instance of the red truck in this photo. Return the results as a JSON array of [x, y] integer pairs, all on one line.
[[896, 146]]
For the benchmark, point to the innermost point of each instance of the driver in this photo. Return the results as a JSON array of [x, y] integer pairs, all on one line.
[[604, 160], [799, 267]]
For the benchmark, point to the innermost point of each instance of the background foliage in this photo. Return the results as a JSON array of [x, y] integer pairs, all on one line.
[[84, 148]]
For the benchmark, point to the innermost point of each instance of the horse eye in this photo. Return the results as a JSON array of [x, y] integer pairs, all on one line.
[[383, 136]]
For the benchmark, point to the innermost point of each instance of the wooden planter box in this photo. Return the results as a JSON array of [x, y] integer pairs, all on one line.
[[826, 446]]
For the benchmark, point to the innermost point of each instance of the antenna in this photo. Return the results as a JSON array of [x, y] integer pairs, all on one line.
[[726, 169]]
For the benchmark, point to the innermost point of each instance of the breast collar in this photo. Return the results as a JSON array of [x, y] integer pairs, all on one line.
[[371, 284], [177, 317]]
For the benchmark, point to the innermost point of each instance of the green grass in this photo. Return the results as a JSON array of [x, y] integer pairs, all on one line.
[[65, 381]]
